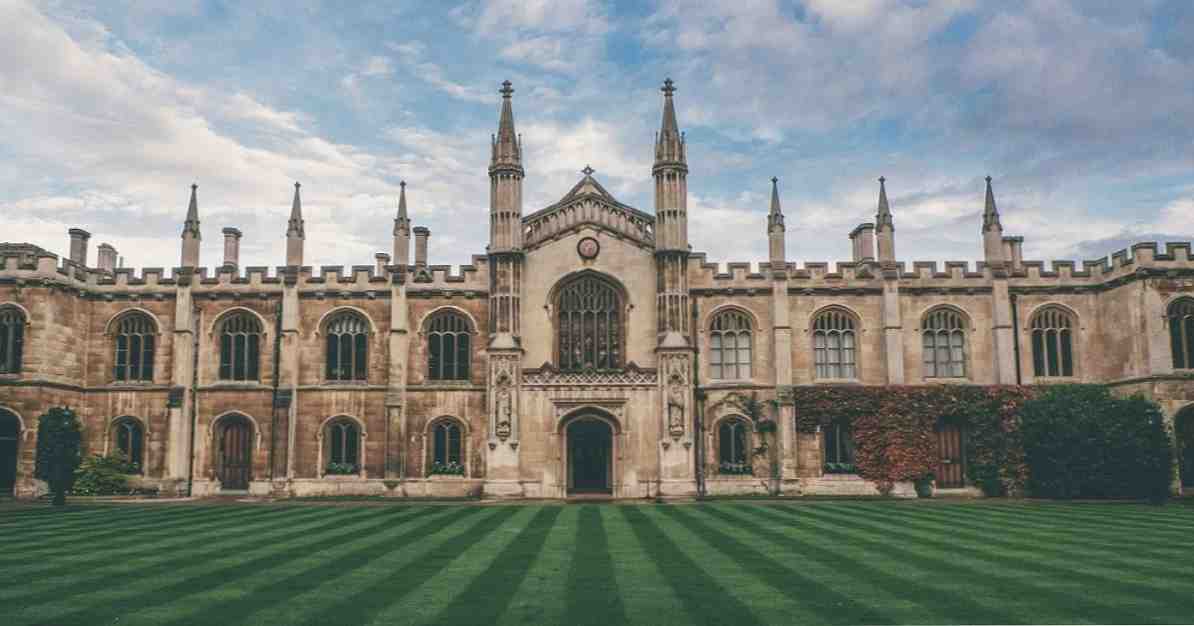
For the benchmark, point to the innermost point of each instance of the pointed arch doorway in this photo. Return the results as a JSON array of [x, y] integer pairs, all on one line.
[[590, 446], [10, 439], [234, 452]]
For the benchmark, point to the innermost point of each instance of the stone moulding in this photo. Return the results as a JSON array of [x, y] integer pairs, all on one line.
[[624, 378]]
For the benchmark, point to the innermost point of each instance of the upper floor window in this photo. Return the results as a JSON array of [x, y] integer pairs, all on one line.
[[129, 440], [347, 347], [449, 349], [589, 324], [732, 452], [1181, 332], [12, 339], [240, 347], [344, 447], [833, 345], [944, 352], [730, 346], [1052, 342], [136, 335]]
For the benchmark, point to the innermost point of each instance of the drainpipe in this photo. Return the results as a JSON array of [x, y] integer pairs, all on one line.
[[698, 412], [1015, 336], [273, 428], [195, 326]]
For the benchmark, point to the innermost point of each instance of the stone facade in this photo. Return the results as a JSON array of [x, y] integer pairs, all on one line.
[[646, 413]]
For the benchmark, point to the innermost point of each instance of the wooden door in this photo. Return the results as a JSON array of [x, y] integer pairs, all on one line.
[[236, 454], [951, 468], [589, 453], [10, 433]]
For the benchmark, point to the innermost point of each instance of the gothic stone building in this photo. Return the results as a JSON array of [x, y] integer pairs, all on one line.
[[589, 350]]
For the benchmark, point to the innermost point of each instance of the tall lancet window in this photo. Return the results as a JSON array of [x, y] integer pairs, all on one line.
[[1052, 342], [834, 350], [944, 352], [240, 347], [730, 346], [448, 347], [347, 347], [12, 339], [589, 323], [135, 335]]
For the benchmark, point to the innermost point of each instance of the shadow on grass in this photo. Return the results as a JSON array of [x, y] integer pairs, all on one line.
[[488, 596], [114, 526], [593, 595], [704, 599]]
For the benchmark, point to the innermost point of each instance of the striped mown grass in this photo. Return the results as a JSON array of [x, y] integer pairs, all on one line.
[[711, 563]]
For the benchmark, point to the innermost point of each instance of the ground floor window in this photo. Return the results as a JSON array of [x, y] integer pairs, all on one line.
[[732, 452], [129, 440], [344, 442], [446, 457], [839, 448]]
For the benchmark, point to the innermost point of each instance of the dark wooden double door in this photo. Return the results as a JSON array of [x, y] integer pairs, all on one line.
[[951, 466], [590, 457], [234, 446]]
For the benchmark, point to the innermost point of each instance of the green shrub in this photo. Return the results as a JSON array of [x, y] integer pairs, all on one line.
[[340, 469], [103, 476], [59, 447], [1082, 442]]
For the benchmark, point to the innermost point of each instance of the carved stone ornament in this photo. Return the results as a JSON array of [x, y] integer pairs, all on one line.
[[588, 248], [675, 407], [503, 401]]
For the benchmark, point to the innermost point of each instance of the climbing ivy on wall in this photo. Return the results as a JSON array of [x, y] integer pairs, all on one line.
[[895, 435]]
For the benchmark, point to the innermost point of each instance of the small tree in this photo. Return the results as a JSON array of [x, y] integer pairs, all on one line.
[[59, 442], [759, 412]]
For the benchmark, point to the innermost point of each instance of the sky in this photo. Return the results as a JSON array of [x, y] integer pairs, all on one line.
[[1081, 110]]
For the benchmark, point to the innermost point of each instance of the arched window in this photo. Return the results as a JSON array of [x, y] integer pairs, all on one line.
[[240, 347], [136, 335], [1052, 342], [128, 438], [445, 451], [1181, 333], [730, 346], [589, 323], [347, 347], [833, 345], [732, 447], [944, 334], [12, 339], [343, 438], [839, 448], [448, 347]]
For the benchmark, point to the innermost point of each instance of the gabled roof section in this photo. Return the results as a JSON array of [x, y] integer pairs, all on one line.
[[588, 203]]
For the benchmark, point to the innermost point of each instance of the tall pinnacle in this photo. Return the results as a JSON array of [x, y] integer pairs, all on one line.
[[294, 227], [506, 151], [990, 212], [775, 218], [191, 225], [883, 216], [401, 222], [670, 144]]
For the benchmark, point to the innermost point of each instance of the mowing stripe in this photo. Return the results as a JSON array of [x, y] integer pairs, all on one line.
[[1048, 515], [906, 590], [705, 600], [55, 536], [491, 591], [417, 567], [151, 544], [183, 582], [986, 564], [541, 597], [303, 567], [592, 595], [643, 588], [818, 602]]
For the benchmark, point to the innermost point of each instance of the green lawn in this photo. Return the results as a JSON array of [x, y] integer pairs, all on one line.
[[712, 563]]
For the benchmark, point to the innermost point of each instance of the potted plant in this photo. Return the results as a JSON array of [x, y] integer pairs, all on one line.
[[924, 486]]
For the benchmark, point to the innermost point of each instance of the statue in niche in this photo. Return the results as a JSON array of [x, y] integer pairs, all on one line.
[[675, 406], [504, 408]]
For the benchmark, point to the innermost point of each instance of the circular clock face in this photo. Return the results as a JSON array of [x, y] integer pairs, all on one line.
[[588, 248]]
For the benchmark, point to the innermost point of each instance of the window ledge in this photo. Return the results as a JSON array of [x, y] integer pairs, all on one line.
[[1055, 380], [948, 380], [739, 477], [837, 381], [342, 476], [449, 477]]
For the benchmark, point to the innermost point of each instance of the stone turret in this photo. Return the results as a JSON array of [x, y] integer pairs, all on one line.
[[232, 247], [505, 229], [884, 226], [992, 230], [190, 232], [401, 230], [671, 225], [776, 244], [295, 233]]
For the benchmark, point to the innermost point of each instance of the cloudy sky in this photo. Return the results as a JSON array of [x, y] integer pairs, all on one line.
[[1082, 110]]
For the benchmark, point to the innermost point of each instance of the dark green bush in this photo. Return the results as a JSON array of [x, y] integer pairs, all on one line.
[[59, 448], [1082, 442], [103, 476]]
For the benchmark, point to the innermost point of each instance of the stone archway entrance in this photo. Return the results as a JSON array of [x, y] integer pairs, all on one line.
[[1184, 430], [590, 456], [10, 438], [234, 452]]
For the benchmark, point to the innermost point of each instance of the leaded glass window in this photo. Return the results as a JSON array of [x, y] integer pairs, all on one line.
[[129, 440], [730, 346], [834, 345], [944, 347], [589, 324], [344, 442], [240, 347], [732, 448], [136, 335], [1052, 342], [12, 339], [1181, 333], [347, 347], [449, 349], [839, 448]]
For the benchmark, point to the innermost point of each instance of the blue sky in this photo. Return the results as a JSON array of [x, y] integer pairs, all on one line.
[[1083, 111]]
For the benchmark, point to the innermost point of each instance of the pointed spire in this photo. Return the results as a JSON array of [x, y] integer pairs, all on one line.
[[507, 149], [191, 225], [402, 221], [775, 217], [990, 212], [669, 146], [883, 216], [294, 227]]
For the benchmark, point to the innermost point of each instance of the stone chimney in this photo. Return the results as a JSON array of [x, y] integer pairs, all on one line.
[[383, 260], [422, 233], [232, 247], [106, 257], [78, 245], [1013, 251], [862, 240]]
